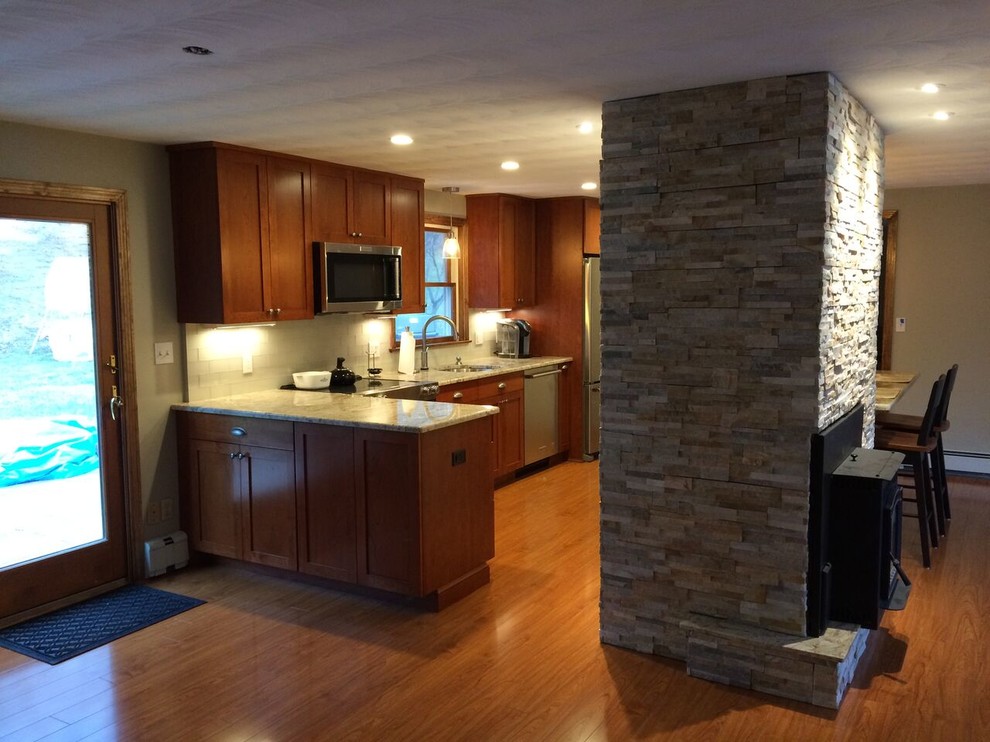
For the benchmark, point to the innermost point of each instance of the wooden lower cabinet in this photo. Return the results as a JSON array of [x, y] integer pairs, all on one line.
[[406, 513], [238, 498], [326, 517], [506, 393]]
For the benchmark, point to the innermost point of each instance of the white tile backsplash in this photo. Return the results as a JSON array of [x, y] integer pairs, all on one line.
[[215, 357]]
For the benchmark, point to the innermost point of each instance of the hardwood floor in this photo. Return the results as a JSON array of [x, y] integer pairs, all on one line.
[[268, 659]]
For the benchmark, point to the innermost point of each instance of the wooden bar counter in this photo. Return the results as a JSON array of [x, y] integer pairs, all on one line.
[[891, 385]]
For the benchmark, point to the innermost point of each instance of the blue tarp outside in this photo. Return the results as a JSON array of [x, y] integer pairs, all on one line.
[[34, 450]]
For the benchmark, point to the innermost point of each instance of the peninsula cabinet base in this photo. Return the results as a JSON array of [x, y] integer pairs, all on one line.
[[412, 514]]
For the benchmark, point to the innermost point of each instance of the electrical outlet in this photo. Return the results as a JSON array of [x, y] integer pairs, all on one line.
[[154, 514], [901, 325], [166, 506]]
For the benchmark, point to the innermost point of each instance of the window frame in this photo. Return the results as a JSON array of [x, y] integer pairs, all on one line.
[[457, 276]]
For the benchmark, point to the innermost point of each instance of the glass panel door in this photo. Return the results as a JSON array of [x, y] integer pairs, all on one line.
[[50, 492]]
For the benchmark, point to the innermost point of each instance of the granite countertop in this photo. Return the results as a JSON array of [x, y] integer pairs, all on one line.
[[501, 366], [355, 410]]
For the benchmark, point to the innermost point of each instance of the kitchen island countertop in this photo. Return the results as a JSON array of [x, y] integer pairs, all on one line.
[[354, 410]]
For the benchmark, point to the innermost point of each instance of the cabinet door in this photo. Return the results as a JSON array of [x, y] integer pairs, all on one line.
[[325, 505], [407, 232], [592, 227], [331, 193], [387, 489], [523, 273], [508, 211], [510, 433], [268, 506], [211, 479], [290, 250], [502, 269], [370, 209], [242, 185], [350, 205]]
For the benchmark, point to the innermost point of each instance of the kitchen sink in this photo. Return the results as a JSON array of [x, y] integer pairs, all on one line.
[[465, 368]]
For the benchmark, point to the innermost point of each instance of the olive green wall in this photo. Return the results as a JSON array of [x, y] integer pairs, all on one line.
[[35, 153], [942, 289]]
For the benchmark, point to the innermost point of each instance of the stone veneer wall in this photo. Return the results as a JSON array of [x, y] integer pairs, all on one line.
[[741, 237]]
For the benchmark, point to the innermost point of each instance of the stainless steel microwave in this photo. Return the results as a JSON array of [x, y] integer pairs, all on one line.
[[357, 278]]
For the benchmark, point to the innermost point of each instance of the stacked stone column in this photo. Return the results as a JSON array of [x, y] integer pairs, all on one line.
[[741, 242]]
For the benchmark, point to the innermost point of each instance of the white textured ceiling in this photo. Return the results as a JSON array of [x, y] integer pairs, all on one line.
[[476, 83]]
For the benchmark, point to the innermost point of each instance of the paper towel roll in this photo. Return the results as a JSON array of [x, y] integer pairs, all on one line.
[[407, 352]]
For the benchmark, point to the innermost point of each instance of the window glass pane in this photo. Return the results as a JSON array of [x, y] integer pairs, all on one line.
[[438, 299], [436, 266]]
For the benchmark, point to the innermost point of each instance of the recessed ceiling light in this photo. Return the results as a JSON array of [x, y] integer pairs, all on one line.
[[401, 139], [586, 127], [201, 51], [930, 87], [589, 186], [510, 165], [942, 115]]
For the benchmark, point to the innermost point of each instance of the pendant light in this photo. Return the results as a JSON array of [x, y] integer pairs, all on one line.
[[451, 247]]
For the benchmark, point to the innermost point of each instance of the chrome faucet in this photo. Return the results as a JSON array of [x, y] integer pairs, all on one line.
[[425, 358]]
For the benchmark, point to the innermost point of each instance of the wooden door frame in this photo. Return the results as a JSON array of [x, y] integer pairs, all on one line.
[[886, 318], [116, 202]]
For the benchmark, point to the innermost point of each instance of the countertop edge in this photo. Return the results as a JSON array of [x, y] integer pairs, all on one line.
[[447, 414]]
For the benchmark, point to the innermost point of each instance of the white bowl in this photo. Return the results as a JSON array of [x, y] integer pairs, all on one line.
[[311, 379]]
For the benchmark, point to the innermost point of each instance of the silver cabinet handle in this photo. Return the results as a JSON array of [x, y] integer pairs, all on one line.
[[458, 395], [545, 373], [238, 431], [501, 386]]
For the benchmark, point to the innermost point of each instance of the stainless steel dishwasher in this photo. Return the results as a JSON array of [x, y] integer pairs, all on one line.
[[540, 408]]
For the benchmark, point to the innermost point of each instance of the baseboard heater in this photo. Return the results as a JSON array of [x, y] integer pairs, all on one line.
[[165, 553]]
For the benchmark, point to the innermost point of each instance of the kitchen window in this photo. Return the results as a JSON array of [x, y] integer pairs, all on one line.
[[441, 284]]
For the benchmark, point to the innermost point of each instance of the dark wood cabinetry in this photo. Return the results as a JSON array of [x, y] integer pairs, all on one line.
[[326, 520], [351, 205], [506, 393], [502, 239], [236, 475], [245, 220], [407, 513], [240, 223], [408, 218]]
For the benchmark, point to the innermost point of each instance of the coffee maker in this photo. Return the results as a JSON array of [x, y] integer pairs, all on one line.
[[512, 338]]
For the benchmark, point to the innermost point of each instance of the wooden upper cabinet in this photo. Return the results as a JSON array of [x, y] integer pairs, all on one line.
[[241, 231], [351, 205], [502, 261], [290, 269], [592, 226], [408, 217]]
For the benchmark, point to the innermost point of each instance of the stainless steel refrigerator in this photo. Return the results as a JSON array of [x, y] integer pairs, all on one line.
[[592, 356]]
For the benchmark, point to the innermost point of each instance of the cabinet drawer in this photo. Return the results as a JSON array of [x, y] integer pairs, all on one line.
[[497, 385], [257, 431], [465, 393]]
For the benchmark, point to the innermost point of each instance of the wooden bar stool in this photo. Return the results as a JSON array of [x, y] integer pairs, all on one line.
[[912, 423], [917, 448]]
